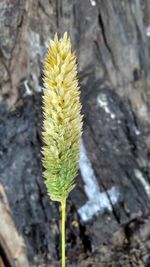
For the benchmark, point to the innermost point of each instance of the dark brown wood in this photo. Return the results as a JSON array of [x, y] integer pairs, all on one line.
[[114, 69]]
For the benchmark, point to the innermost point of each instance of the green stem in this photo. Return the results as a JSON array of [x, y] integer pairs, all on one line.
[[63, 212]]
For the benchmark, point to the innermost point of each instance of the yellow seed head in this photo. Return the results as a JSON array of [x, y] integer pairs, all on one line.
[[62, 118]]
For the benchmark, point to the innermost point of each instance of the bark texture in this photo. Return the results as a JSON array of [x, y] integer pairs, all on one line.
[[112, 44]]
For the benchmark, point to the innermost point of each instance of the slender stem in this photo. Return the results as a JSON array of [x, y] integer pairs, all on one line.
[[63, 212]]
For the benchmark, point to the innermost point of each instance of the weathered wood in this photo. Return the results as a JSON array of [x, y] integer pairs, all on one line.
[[113, 56], [37, 220], [12, 247]]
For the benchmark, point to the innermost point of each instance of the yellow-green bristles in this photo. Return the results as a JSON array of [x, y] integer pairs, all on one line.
[[62, 118]]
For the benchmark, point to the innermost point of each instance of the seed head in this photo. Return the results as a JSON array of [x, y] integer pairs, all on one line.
[[62, 118]]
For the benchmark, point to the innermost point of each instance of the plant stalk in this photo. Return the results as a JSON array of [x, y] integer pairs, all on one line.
[[63, 243]]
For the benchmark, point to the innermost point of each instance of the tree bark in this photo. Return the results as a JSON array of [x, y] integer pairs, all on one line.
[[112, 45]]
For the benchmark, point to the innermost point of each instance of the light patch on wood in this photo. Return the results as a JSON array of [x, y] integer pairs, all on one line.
[[103, 103], [148, 31], [143, 181], [93, 2], [98, 201], [27, 88]]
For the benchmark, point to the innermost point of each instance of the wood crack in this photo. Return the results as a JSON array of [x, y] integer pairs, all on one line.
[[4, 257], [101, 24], [43, 8]]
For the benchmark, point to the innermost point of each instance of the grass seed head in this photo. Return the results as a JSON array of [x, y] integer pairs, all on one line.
[[62, 118]]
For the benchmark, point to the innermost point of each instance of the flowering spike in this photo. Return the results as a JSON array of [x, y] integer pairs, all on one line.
[[62, 119]]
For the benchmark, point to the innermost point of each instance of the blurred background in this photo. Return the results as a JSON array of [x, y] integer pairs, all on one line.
[[108, 213]]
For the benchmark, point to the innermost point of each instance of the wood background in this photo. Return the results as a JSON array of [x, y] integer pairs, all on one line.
[[113, 53]]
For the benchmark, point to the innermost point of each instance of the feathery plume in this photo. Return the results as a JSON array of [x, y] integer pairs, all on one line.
[[62, 118]]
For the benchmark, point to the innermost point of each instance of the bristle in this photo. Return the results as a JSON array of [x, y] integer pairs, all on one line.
[[62, 118]]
